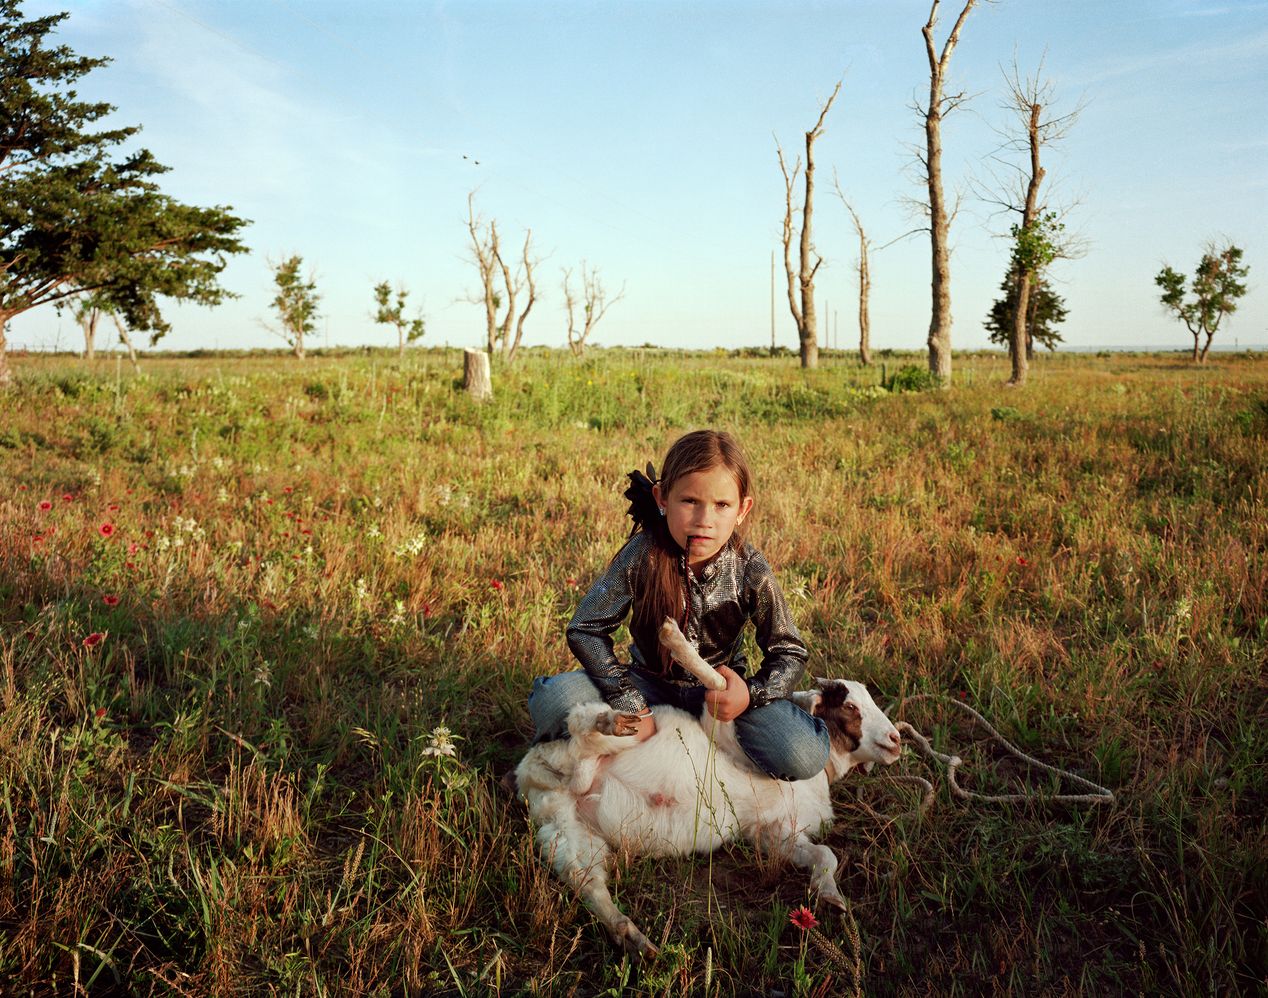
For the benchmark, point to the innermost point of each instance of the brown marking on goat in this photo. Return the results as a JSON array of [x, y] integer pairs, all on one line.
[[842, 716]]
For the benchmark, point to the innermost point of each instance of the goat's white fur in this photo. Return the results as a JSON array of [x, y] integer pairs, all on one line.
[[688, 788]]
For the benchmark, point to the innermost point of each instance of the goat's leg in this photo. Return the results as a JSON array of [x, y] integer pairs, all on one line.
[[596, 731], [821, 862], [581, 859]]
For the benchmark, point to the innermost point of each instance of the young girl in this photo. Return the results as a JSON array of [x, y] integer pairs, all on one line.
[[685, 560]]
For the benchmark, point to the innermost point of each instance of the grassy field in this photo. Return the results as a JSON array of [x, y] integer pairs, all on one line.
[[242, 599]]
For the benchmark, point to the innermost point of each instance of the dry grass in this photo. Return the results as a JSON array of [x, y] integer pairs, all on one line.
[[237, 790]]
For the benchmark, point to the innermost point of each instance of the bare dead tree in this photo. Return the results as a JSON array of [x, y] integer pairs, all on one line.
[[126, 340], [1026, 264], [595, 304], [484, 245], [865, 278], [801, 283], [866, 248], [87, 311], [939, 105], [523, 277], [1038, 233], [486, 248]]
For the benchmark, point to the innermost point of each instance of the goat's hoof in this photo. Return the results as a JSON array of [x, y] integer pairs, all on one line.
[[831, 904], [614, 722], [632, 941]]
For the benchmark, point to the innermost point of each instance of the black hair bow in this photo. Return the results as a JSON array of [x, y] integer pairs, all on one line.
[[644, 510]]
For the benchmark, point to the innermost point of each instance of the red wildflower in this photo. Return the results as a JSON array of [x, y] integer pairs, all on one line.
[[149, 533], [288, 490], [803, 918], [100, 713], [110, 600], [286, 533], [571, 582], [37, 539], [129, 564], [21, 488], [497, 584], [306, 532], [67, 497], [94, 639], [106, 529], [46, 504], [132, 548], [1022, 562]]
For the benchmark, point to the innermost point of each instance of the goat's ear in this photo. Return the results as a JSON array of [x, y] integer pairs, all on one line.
[[807, 700]]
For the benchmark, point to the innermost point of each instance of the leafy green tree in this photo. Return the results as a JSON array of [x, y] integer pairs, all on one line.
[[393, 314], [295, 302], [1044, 310], [78, 214], [1217, 284]]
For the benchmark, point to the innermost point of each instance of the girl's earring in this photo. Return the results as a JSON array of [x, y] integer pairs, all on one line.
[[662, 510]]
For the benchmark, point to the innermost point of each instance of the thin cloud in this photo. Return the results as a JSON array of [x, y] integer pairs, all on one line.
[[1253, 49], [1204, 10]]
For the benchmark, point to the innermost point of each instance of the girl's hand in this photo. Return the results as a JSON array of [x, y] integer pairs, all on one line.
[[730, 703], [645, 729]]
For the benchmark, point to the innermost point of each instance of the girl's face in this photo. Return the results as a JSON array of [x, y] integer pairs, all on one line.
[[702, 511]]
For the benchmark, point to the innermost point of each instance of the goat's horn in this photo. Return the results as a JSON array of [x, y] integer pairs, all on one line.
[[685, 654]]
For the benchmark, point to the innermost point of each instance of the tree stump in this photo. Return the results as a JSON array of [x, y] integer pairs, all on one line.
[[475, 375]]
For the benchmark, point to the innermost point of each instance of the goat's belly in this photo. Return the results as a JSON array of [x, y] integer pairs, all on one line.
[[661, 822]]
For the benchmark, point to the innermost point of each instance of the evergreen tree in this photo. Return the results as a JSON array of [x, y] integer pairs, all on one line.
[[78, 213], [1044, 311]]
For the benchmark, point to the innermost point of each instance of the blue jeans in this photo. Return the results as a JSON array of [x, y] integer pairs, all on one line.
[[779, 738]]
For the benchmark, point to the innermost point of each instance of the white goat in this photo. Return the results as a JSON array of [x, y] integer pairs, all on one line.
[[688, 788]]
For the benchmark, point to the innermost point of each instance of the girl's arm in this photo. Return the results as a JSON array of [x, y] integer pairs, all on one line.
[[601, 611], [783, 652]]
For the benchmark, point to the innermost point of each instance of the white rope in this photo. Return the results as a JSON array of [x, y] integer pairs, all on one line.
[[1099, 794]]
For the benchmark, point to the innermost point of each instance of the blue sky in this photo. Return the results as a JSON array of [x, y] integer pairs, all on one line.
[[639, 136]]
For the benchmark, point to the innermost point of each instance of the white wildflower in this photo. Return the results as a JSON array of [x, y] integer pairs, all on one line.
[[413, 545], [440, 742]]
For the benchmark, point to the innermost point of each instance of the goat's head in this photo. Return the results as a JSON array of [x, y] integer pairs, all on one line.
[[860, 733]]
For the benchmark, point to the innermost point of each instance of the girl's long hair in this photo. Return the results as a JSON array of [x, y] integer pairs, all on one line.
[[661, 590]]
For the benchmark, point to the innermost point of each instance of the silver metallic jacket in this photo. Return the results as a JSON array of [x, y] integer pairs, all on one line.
[[737, 586]]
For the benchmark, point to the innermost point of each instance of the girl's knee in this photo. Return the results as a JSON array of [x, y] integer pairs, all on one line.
[[784, 741], [552, 697]]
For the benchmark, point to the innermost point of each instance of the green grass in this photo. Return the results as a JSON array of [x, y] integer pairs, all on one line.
[[319, 564]]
